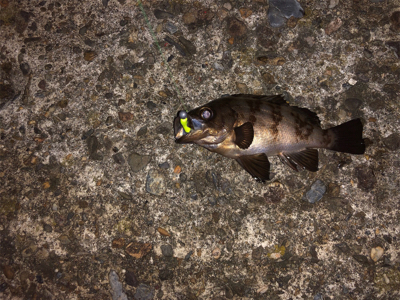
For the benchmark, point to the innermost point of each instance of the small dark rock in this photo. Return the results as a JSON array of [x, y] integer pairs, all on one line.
[[164, 165], [167, 250], [391, 88], [47, 228], [93, 145], [178, 46], [171, 28], [395, 21], [352, 104], [39, 279], [151, 105], [362, 259], [281, 10], [236, 28], [187, 256], [142, 131], [42, 84], [155, 183], [189, 46], [137, 162], [366, 178], [343, 247], [274, 194], [109, 120], [396, 46], [130, 278], [160, 14], [119, 158], [89, 42], [87, 134], [316, 192], [25, 68], [144, 292], [392, 142], [6, 92], [166, 274], [128, 65]]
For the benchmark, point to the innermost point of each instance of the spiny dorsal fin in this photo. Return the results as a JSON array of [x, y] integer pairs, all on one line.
[[244, 135], [277, 99]]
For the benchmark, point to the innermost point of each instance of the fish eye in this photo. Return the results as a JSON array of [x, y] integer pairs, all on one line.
[[206, 114]]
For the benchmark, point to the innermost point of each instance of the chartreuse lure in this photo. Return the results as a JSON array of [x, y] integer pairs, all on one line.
[[183, 117]]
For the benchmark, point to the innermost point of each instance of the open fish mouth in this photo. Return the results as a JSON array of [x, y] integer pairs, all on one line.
[[183, 137]]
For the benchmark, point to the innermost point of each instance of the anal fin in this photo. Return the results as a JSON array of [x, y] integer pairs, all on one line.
[[257, 165], [307, 159]]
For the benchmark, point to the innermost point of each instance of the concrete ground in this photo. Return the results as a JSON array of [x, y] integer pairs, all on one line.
[[97, 201]]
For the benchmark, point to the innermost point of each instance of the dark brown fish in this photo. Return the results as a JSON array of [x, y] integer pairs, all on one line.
[[249, 128]]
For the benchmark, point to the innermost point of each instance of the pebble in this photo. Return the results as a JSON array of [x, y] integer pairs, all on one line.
[[216, 253], [333, 3], [316, 192], [178, 47], [138, 249], [376, 253], [94, 145], [187, 256], [167, 250], [160, 14], [352, 104], [218, 66], [155, 183], [392, 142], [89, 55], [25, 68], [236, 28], [137, 162], [144, 292], [189, 18], [163, 231], [119, 158], [118, 243], [8, 272], [333, 26], [245, 12], [281, 10], [130, 278], [171, 28], [125, 116], [189, 46], [117, 292], [366, 178], [395, 21], [227, 6]]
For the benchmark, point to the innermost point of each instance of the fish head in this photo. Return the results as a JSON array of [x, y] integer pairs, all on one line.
[[209, 125]]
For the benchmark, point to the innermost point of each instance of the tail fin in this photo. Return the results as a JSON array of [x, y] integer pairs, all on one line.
[[348, 137]]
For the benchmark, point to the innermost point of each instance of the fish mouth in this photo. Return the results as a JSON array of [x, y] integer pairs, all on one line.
[[196, 131]]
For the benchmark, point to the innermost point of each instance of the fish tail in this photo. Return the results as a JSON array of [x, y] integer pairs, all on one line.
[[348, 137]]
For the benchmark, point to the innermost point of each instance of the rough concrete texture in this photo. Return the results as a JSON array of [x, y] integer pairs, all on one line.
[[93, 187]]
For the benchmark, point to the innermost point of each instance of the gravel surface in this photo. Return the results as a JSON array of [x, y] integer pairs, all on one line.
[[98, 202]]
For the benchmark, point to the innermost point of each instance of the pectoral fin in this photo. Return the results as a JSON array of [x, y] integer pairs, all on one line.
[[307, 159], [244, 135], [257, 165]]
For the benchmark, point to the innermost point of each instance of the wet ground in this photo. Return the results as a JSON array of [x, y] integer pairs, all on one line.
[[98, 202]]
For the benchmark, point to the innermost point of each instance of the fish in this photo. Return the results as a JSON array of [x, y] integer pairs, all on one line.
[[250, 128]]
